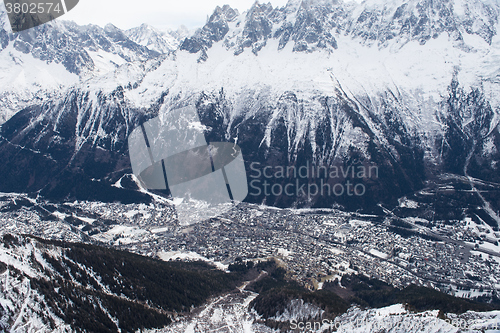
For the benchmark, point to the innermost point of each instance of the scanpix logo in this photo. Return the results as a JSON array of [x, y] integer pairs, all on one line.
[[26, 14], [171, 152]]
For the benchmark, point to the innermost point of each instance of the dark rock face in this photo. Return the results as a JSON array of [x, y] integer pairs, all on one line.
[[396, 176], [312, 29], [4, 39], [423, 20], [414, 21], [470, 124]]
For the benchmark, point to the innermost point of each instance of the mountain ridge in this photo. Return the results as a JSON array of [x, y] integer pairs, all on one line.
[[313, 24], [349, 101]]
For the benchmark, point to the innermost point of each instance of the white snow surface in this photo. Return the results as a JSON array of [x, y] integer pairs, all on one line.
[[189, 256], [379, 254], [396, 318]]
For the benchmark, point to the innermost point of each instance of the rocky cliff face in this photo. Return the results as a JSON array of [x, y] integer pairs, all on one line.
[[313, 24]]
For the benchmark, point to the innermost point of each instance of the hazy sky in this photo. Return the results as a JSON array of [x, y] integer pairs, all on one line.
[[160, 13]]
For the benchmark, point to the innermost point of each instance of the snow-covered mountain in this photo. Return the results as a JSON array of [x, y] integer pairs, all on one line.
[[156, 40], [39, 64], [408, 86]]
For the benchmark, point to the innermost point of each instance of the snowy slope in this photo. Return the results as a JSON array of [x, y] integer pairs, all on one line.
[[39, 64], [361, 68], [25, 80], [229, 311]]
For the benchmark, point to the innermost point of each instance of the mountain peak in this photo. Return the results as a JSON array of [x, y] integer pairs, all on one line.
[[154, 39], [214, 31], [111, 28]]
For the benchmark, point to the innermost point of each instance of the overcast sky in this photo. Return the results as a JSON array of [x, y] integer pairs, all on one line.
[[159, 13]]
